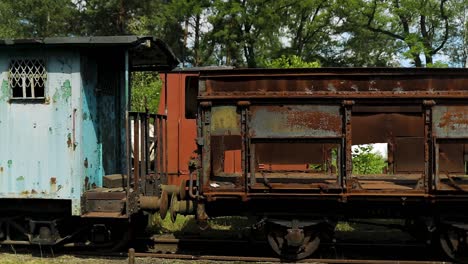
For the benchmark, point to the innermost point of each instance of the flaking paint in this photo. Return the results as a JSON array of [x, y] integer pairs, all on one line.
[[44, 144]]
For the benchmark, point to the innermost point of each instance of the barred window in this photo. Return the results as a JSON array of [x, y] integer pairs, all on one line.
[[27, 78]]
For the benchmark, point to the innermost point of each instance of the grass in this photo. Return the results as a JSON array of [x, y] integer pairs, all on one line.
[[234, 225], [6, 258], [187, 225], [344, 227]]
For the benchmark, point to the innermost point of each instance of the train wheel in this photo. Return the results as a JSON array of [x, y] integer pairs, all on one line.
[[454, 243], [293, 244]]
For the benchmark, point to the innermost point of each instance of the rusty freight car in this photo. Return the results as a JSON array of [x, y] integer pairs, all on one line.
[[278, 145]]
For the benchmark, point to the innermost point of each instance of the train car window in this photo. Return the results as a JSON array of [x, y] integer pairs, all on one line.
[[388, 147], [226, 142], [191, 93], [27, 78], [450, 128], [452, 165]]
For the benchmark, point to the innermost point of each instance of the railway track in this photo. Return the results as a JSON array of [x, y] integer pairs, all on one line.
[[132, 255], [256, 251]]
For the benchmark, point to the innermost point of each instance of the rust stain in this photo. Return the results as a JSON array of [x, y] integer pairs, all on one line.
[[69, 141], [86, 162], [453, 120], [314, 120], [1, 169], [53, 180], [33, 191], [86, 183]]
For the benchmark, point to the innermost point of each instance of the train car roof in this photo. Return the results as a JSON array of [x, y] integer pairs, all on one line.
[[354, 71], [146, 52]]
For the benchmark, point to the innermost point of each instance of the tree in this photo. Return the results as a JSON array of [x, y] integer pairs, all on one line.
[[146, 88], [422, 26], [365, 161], [293, 61], [36, 18], [309, 28], [245, 31], [111, 17]]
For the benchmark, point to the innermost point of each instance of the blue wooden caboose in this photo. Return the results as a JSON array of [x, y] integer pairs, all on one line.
[[63, 113]]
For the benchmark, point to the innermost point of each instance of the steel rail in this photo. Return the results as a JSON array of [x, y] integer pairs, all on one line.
[[132, 255]]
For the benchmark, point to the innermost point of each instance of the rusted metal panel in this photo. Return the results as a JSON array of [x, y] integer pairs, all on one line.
[[296, 121], [390, 125], [450, 121], [225, 121], [409, 154], [181, 132], [343, 83], [452, 158]]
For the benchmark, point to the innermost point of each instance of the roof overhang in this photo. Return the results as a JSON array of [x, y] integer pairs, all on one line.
[[146, 53]]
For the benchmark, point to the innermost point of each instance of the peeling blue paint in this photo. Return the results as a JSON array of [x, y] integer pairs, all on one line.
[[44, 145]]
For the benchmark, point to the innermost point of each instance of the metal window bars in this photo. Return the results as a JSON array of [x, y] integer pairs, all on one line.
[[27, 78], [148, 157]]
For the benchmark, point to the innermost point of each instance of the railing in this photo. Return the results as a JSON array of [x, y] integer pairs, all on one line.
[[147, 148]]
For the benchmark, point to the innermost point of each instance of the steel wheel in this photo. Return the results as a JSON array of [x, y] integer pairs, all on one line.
[[279, 244], [454, 244]]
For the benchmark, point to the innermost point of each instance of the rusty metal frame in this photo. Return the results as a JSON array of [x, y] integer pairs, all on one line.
[[437, 181], [355, 87]]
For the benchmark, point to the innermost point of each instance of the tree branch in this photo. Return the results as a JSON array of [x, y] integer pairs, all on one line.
[[379, 30], [446, 22]]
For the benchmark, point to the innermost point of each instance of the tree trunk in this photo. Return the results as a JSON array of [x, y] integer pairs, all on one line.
[[417, 61], [428, 59], [196, 46]]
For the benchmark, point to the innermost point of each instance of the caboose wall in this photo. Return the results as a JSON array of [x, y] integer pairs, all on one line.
[[63, 145], [40, 139]]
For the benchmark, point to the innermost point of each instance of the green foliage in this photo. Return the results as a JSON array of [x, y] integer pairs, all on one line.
[[252, 33], [146, 88], [414, 28], [437, 64], [365, 161], [291, 61], [36, 18]]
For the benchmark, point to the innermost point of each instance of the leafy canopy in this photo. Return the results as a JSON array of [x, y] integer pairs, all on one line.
[[365, 161]]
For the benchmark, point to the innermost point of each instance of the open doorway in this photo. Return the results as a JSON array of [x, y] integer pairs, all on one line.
[[388, 147]]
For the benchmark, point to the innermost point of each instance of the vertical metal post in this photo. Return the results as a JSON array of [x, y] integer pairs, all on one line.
[[33, 92], [348, 162], [136, 153], [23, 85], [128, 160], [143, 153], [428, 152], [161, 154], [253, 165], [128, 150], [245, 145], [156, 147], [206, 149]]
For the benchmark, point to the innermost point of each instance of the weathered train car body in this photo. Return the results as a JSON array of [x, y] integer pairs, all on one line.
[[64, 129], [279, 144], [284, 121], [181, 131]]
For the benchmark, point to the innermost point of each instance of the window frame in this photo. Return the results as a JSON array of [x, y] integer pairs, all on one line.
[[33, 77]]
